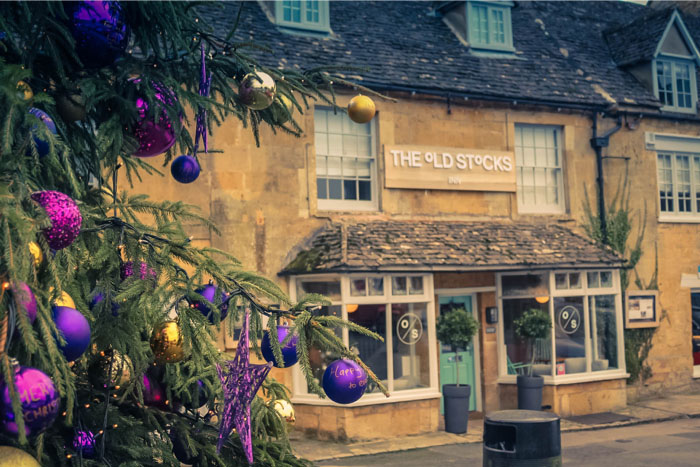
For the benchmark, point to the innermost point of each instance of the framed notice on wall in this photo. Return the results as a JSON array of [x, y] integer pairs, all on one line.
[[642, 310]]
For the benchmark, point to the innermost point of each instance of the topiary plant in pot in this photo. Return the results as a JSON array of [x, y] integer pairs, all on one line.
[[532, 325], [456, 328]]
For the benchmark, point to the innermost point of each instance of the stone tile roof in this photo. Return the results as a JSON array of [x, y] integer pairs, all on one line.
[[443, 245], [404, 44], [628, 46]]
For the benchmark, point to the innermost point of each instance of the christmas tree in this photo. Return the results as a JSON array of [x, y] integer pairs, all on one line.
[[109, 315]]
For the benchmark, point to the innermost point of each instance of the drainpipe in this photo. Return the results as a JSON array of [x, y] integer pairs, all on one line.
[[598, 143]]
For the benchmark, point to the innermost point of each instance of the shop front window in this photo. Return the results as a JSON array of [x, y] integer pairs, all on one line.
[[585, 309], [398, 308]]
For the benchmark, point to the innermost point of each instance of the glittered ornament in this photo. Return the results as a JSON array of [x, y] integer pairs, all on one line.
[[282, 109], [13, 457], [26, 299], [84, 444], [154, 131], [153, 392], [166, 343], [65, 218], [71, 107], [100, 31], [361, 109], [97, 299], [74, 328], [289, 351], [42, 146], [39, 399], [36, 252], [185, 169], [99, 373], [209, 292], [24, 91], [144, 270], [257, 90], [344, 381]]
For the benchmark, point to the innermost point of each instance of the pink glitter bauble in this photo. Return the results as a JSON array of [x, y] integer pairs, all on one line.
[[145, 271], [65, 218], [155, 135]]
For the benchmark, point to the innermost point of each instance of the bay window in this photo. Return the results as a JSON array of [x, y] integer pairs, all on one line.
[[585, 341], [398, 307]]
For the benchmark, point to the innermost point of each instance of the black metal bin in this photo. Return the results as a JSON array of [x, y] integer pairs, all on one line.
[[522, 438]]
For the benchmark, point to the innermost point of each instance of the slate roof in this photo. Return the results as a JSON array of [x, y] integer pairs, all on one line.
[[628, 46], [448, 246], [562, 55]]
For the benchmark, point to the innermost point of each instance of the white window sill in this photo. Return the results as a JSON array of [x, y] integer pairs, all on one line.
[[371, 399], [572, 379], [696, 371], [345, 206], [675, 219], [679, 110]]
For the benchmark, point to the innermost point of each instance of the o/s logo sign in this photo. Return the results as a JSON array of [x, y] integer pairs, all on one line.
[[569, 319], [409, 328]]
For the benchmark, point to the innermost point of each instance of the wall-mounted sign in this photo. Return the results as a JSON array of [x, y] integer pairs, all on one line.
[[440, 168], [642, 309]]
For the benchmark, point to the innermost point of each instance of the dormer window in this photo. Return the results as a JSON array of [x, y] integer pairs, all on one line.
[[307, 15], [675, 80], [489, 25]]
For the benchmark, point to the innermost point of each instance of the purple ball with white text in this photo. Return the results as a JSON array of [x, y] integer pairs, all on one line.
[[344, 381]]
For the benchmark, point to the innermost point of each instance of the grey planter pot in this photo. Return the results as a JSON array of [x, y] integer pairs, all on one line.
[[530, 392], [456, 407]]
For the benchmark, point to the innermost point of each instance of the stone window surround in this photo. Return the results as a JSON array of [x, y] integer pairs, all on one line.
[[588, 376], [505, 8], [299, 394]]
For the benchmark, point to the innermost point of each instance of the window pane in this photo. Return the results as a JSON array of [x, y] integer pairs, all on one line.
[[330, 289], [569, 334], [350, 189], [603, 332], [371, 351], [682, 71], [376, 285], [365, 190], [416, 286], [398, 285], [335, 189], [312, 14], [574, 280], [594, 279], [532, 285], [683, 186], [606, 279], [358, 287], [665, 82], [318, 359], [560, 281], [538, 164], [321, 188], [520, 353], [409, 325], [665, 183], [479, 22]]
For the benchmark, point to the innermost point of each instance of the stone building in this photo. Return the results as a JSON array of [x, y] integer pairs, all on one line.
[[473, 187]]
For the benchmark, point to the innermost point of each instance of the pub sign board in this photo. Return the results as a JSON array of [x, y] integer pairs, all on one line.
[[442, 168]]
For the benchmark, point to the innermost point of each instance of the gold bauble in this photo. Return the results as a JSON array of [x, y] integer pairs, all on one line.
[[63, 300], [257, 90], [24, 91], [71, 107], [166, 343], [122, 369], [285, 410], [13, 457], [36, 252], [278, 111], [361, 109]]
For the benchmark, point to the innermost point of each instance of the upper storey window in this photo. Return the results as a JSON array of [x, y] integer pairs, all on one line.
[[489, 25], [675, 82], [303, 15]]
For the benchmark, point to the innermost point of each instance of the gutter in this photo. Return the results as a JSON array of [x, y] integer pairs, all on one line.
[[598, 143]]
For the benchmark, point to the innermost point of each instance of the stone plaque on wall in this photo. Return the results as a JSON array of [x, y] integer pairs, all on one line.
[[441, 168]]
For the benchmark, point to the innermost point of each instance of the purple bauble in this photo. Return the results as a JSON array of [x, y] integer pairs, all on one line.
[[75, 330], [344, 381], [185, 169], [209, 292], [153, 393], [42, 146], [154, 137], [26, 299], [65, 218], [84, 444], [100, 31], [39, 398], [289, 351], [98, 298], [145, 271]]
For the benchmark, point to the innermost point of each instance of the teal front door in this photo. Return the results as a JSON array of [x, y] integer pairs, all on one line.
[[465, 359]]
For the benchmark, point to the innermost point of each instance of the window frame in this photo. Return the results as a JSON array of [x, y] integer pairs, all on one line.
[[673, 60], [676, 214], [345, 204], [589, 375], [491, 6], [323, 14], [540, 208], [300, 393]]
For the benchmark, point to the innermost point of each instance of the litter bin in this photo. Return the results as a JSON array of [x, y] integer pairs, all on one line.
[[522, 438]]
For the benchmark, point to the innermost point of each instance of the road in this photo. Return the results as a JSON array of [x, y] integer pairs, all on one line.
[[672, 444]]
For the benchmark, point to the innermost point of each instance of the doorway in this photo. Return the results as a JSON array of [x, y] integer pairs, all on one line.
[[468, 371]]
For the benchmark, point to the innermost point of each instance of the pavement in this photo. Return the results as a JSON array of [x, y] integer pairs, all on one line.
[[671, 407]]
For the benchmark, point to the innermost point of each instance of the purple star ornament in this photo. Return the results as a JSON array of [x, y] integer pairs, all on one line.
[[240, 380]]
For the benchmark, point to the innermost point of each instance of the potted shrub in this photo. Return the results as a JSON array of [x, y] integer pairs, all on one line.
[[532, 325], [456, 328]]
